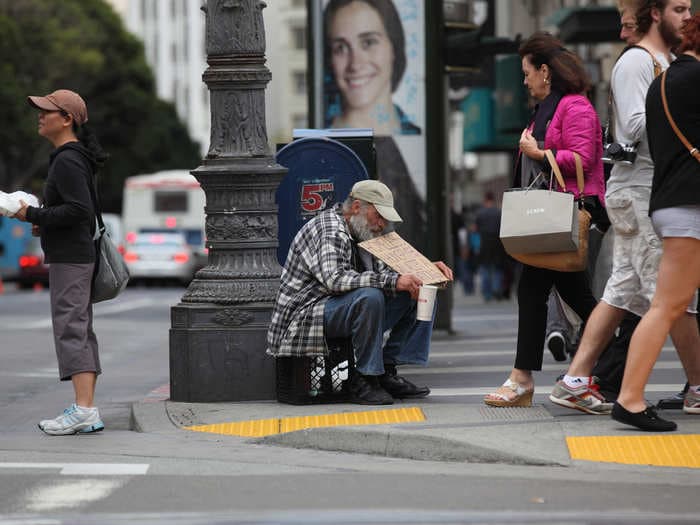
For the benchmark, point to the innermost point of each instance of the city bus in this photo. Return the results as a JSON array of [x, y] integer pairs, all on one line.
[[166, 202]]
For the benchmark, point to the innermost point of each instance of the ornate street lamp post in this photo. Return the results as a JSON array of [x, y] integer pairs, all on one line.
[[218, 331]]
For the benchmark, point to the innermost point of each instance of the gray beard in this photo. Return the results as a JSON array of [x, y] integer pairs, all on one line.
[[359, 228]]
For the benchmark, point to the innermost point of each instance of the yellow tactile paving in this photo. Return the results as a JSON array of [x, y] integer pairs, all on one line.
[[266, 427], [675, 450]]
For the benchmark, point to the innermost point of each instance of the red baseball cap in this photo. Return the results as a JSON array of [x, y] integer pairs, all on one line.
[[63, 100]]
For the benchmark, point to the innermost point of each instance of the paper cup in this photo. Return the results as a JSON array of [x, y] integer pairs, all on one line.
[[426, 302]]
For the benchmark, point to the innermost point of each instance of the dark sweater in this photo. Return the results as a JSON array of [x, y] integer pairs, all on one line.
[[67, 218], [676, 173]]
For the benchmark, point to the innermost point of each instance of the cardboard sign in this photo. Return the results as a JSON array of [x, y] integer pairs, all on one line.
[[403, 258]]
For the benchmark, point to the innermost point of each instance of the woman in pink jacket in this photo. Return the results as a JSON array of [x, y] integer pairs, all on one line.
[[564, 122]]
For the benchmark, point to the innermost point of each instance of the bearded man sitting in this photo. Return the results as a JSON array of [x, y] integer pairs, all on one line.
[[331, 288]]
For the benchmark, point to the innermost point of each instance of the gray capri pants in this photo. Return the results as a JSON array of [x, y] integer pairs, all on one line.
[[71, 314]]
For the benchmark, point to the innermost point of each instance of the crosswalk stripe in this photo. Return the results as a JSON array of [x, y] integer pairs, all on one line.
[[91, 469], [472, 340], [100, 310], [70, 494], [546, 389], [660, 365], [437, 353], [483, 318]]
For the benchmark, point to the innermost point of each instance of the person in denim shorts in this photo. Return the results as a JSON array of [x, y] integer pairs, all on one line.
[[637, 248], [675, 213]]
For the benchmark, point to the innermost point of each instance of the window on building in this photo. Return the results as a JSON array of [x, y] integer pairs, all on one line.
[[144, 12], [173, 9], [299, 37], [298, 3], [173, 52], [299, 82], [185, 44], [186, 99]]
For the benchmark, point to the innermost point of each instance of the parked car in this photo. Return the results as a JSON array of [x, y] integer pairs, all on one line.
[[32, 269], [159, 256]]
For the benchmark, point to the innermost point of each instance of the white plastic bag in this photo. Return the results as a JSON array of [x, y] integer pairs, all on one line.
[[9, 202]]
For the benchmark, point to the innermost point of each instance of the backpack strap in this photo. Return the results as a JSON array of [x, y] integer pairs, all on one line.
[[608, 130], [657, 65]]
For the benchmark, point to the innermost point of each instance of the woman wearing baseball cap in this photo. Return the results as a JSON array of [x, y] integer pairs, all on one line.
[[66, 225]]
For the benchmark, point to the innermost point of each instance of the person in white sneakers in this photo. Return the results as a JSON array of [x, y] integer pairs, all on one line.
[[66, 225], [637, 248]]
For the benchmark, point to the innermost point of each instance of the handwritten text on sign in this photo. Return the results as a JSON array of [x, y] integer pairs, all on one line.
[[403, 258]]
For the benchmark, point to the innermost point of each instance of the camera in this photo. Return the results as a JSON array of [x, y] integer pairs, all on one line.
[[622, 153]]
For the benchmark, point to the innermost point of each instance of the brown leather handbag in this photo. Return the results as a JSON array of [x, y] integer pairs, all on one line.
[[571, 261]]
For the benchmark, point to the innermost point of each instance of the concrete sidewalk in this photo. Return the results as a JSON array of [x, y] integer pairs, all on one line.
[[544, 434], [540, 435]]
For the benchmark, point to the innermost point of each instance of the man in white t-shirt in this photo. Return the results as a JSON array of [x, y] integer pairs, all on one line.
[[637, 248]]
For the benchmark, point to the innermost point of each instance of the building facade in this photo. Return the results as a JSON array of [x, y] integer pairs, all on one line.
[[173, 35]]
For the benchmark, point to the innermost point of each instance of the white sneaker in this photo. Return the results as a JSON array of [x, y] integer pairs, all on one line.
[[74, 420]]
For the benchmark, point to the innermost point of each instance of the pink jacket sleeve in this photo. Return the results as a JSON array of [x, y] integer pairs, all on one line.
[[575, 127]]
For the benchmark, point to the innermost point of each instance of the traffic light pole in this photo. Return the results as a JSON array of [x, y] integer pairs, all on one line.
[[438, 185]]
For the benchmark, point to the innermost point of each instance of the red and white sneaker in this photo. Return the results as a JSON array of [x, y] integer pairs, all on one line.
[[691, 402], [585, 398]]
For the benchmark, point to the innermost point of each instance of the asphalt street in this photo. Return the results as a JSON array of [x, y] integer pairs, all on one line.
[[171, 475]]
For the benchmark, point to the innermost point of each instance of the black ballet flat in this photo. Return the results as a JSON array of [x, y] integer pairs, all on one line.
[[647, 419]]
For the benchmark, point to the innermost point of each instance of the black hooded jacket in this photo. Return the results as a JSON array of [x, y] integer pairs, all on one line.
[[67, 218]]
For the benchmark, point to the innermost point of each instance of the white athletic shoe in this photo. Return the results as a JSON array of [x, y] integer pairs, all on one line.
[[74, 420]]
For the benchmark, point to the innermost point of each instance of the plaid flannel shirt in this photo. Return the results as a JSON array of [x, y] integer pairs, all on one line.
[[319, 265]]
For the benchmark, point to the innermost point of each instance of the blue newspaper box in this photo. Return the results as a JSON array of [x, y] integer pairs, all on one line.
[[321, 173]]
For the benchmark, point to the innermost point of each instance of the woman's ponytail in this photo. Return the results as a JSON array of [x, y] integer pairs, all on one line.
[[88, 138]]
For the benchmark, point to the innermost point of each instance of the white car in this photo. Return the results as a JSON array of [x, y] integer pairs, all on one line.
[[159, 256]]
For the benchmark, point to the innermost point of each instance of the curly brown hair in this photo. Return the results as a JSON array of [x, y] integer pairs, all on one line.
[[568, 73], [642, 12], [691, 36]]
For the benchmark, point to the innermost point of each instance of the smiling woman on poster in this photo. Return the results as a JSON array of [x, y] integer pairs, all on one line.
[[366, 58], [373, 78]]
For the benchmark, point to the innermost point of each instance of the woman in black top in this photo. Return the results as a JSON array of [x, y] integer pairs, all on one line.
[[675, 213], [66, 224]]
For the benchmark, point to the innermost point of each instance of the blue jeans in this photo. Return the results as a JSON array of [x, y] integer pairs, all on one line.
[[491, 281], [364, 315]]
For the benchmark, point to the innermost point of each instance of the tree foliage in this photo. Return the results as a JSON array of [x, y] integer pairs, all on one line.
[[82, 45]]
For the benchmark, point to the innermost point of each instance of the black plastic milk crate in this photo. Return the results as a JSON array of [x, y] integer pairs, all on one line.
[[315, 380]]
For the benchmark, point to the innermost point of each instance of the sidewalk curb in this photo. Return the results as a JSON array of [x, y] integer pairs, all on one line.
[[399, 444], [525, 437], [150, 417]]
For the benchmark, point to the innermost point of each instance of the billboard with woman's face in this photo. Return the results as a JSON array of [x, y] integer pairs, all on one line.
[[372, 75]]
